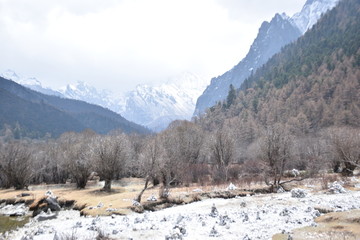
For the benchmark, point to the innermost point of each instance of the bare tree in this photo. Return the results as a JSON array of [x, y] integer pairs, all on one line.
[[222, 153], [78, 154], [110, 157], [16, 165], [152, 156], [275, 152], [182, 142], [346, 145]]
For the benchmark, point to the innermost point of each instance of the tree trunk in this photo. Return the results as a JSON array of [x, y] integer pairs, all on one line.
[[138, 199], [107, 186]]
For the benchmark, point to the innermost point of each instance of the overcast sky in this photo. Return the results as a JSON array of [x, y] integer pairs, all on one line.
[[117, 44]]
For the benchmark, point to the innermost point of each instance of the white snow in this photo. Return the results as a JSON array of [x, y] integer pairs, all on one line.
[[256, 217], [311, 12]]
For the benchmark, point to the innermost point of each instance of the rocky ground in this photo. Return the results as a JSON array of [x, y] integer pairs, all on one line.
[[251, 217]]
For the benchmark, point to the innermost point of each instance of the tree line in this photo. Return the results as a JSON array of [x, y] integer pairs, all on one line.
[[183, 154]]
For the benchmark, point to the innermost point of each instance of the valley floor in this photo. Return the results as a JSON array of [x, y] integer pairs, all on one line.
[[251, 217]]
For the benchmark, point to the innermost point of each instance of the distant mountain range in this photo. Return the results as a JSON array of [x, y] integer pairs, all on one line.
[[272, 36], [33, 114], [151, 106]]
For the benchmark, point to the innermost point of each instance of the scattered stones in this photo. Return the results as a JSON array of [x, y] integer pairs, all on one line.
[[298, 193], [16, 210], [224, 220], [336, 188], [258, 216], [100, 205], [214, 232], [285, 212], [136, 203], [24, 195], [295, 172], [152, 198], [111, 209], [182, 229], [138, 220], [45, 216], [231, 187], [243, 204], [246, 237], [49, 193], [179, 219], [246, 217], [280, 190], [214, 211]]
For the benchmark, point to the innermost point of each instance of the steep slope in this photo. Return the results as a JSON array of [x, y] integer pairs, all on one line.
[[29, 82], [32, 119], [272, 36], [87, 115], [312, 83]]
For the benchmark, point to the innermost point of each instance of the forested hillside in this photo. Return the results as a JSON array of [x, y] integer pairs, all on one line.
[[311, 84], [32, 114]]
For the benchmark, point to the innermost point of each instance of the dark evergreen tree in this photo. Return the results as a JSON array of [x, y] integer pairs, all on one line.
[[231, 96]]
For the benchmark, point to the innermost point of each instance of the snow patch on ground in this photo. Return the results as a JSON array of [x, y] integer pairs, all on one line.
[[255, 217]]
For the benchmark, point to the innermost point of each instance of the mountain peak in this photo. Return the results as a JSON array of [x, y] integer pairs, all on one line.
[[311, 12]]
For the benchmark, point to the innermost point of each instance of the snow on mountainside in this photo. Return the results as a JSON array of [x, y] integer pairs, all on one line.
[[84, 92], [156, 106], [29, 82], [311, 13], [151, 106], [272, 36]]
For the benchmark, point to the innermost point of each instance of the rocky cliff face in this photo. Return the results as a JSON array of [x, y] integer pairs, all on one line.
[[272, 36]]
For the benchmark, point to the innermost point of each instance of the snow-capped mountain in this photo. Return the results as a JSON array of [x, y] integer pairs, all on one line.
[[156, 106], [84, 92], [311, 13], [151, 106], [272, 36], [29, 82]]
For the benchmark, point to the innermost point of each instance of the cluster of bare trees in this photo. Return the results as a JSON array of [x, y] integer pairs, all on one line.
[[184, 153]]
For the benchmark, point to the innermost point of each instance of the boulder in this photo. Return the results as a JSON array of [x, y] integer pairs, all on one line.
[[52, 204], [298, 193], [336, 187], [46, 216], [214, 211]]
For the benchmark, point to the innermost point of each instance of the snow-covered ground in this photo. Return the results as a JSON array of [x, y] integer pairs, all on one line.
[[255, 217]]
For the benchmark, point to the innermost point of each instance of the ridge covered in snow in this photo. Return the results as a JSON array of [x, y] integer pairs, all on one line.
[[311, 13], [151, 106]]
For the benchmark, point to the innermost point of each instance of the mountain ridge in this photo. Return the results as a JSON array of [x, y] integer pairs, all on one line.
[[86, 115], [272, 36]]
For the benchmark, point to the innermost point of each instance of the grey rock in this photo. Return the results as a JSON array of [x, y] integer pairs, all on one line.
[[214, 232], [214, 211], [298, 193], [53, 204]]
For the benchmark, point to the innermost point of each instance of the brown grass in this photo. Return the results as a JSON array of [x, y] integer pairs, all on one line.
[[120, 198], [335, 225]]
